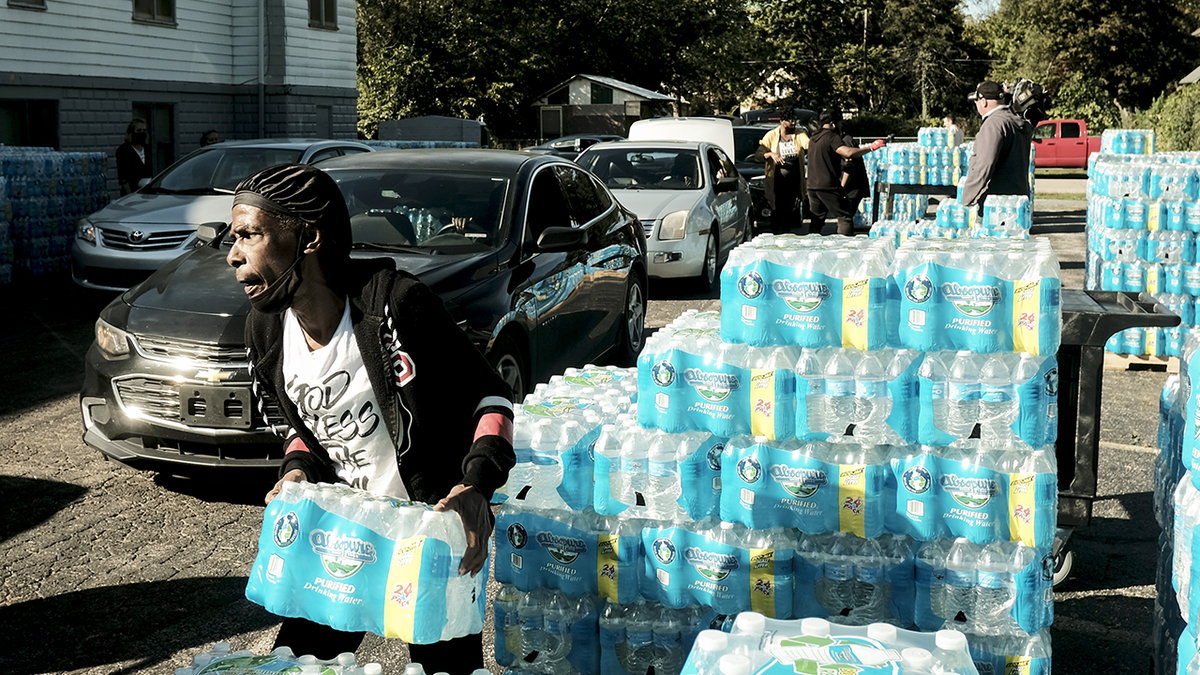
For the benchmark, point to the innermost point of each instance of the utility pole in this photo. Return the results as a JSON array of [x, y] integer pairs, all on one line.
[[866, 89]]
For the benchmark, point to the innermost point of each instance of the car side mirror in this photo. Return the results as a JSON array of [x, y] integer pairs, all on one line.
[[1037, 140], [207, 232], [555, 239], [726, 184]]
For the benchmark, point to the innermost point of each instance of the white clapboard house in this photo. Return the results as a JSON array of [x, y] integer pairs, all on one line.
[[73, 73]]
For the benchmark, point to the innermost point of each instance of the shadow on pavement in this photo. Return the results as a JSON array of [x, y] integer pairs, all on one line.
[[1058, 222], [1108, 633], [243, 486], [682, 289], [49, 325], [29, 502], [1115, 553], [142, 622]]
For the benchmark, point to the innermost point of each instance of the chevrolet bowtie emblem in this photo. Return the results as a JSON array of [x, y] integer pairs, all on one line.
[[213, 375]]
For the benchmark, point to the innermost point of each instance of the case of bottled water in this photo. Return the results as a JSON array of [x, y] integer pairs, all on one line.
[[1127, 141], [1003, 588], [999, 655], [719, 565], [346, 559], [220, 659], [982, 296], [814, 645], [652, 474], [862, 397], [547, 632], [809, 291], [813, 487]]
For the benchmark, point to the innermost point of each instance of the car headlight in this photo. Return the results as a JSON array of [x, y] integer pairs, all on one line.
[[674, 226], [85, 230], [112, 341]]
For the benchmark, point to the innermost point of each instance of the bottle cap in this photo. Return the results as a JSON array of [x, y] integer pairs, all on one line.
[[814, 627], [750, 622], [884, 632], [376, 669], [915, 658], [712, 640], [950, 640], [734, 664]]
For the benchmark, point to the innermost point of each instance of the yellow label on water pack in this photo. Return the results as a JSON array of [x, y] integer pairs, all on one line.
[[855, 293], [1152, 341], [972, 216], [762, 401], [1027, 305], [1017, 665], [762, 581], [400, 608], [1153, 217], [1152, 279], [1020, 506], [852, 498], [607, 567]]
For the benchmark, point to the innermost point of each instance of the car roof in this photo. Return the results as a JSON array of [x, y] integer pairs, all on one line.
[[290, 143], [442, 159], [687, 145]]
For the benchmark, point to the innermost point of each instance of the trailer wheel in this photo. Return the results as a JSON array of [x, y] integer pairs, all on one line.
[[1063, 562]]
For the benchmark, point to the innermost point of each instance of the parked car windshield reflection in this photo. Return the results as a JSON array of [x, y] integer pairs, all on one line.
[[622, 169], [438, 211], [218, 170]]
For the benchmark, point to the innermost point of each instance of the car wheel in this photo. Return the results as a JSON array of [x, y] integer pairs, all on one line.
[[633, 322], [708, 268], [509, 361]]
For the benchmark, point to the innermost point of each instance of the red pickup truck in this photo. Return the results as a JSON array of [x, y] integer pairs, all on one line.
[[1063, 144]]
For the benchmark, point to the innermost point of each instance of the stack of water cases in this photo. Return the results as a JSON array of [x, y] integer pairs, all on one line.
[[220, 659], [1177, 506], [932, 160], [42, 195], [1008, 216], [356, 562], [1143, 220]]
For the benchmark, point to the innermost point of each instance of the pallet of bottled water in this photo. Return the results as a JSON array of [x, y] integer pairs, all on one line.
[[919, 164], [754, 644], [221, 660], [356, 562], [555, 430], [983, 296], [1127, 141], [809, 291], [898, 231]]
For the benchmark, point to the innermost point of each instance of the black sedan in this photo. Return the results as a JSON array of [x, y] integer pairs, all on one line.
[[532, 255]]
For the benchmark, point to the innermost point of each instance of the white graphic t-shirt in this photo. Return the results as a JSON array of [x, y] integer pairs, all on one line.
[[333, 394]]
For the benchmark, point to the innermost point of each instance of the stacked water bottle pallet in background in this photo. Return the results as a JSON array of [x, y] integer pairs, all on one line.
[[42, 195], [1003, 216], [1177, 507], [844, 446], [1142, 221], [282, 660], [347, 559]]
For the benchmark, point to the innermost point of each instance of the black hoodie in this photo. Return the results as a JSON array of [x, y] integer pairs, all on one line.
[[432, 385]]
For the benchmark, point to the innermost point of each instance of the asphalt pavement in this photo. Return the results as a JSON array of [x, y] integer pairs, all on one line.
[[109, 570]]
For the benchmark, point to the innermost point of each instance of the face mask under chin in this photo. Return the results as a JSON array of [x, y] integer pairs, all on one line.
[[279, 294]]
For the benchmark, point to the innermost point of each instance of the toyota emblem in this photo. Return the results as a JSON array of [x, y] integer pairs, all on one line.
[[137, 236]]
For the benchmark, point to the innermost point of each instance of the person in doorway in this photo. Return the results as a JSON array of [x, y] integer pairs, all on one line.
[[953, 129], [783, 151], [429, 418], [209, 137], [999, 163], [826, 194], [133, 156]]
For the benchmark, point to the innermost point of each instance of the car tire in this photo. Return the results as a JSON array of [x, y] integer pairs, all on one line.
[[510, 364], [633, 322], [708, 267]]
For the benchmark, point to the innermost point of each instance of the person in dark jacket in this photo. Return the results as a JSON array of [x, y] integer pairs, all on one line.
[[381, 389], [854, 177], [133, 156], [826, 194], [999, 163]]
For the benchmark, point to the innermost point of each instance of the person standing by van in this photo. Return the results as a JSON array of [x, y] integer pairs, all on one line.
[[783, 151]]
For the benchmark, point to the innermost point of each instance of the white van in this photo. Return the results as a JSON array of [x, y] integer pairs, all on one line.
[[713, 130]]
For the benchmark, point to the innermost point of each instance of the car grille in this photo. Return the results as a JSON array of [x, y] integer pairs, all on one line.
[[175, 349], [649, 225], [155, 241], [158, 397]]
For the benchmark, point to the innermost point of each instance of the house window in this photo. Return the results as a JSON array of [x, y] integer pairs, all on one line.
[[560, 97], [158, 11], [322, 14], [27, 4], [601, 95]]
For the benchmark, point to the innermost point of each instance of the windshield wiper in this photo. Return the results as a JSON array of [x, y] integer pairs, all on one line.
[[374, 246], [204, 191]]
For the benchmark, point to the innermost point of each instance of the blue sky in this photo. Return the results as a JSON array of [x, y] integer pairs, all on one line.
[[980, 8]]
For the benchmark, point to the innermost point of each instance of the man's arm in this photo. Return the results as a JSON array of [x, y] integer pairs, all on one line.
[[854, 153], [982, 163]]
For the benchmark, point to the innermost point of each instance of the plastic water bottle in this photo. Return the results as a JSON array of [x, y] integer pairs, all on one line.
[[521, 474], [998, 405], [934, 372], [916, 660], [747, 635], [558, 618], [631, 486], [835, 588], [612, 630], [962, 395], [668, 642], [506, 600], [663, 486], [547, 464], [994, 591], [639, 631], [931, 571], [951, 654], [734, 664], [811, 386], [839, 393], [870, 587], [533, 629], [960, 581], [872, 402], [710, 646]]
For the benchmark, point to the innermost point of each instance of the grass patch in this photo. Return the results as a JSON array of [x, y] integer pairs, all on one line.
[[1061, 173], [1062, 196]]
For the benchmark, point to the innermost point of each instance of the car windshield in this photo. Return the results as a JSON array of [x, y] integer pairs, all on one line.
[[440, 212], [644, 169], [218, 170]]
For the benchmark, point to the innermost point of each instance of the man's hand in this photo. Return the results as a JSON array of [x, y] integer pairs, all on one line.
[[877, 144], [293, 476], [476, 516]]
